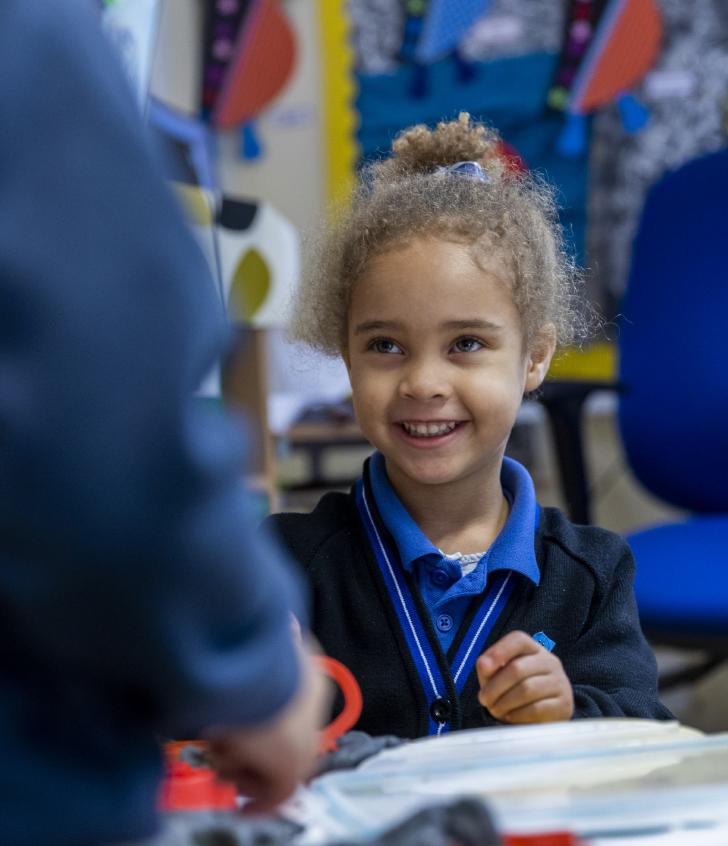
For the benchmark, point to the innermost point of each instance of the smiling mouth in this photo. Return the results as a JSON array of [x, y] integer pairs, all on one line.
[[432, 429]]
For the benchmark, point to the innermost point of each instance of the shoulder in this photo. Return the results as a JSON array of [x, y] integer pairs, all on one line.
[[597, 551], [33, 19], [304, 535], [54, 31]]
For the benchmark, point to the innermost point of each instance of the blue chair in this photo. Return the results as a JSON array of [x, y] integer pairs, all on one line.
[[673, 408]]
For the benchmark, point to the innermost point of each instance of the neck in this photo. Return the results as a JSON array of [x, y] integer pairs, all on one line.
[[462, 516]]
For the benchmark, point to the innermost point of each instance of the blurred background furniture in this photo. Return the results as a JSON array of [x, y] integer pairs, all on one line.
[[563, 400], [672, 411], [673, 415]]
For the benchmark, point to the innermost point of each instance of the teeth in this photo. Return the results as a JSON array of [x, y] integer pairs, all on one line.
[[428, 430]]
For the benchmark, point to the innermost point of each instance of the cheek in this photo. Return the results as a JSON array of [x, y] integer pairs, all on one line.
[[371, 395], [366, 393], [496, 398]]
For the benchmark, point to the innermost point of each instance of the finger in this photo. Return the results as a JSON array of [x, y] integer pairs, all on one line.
[[547, 710], [228, 764], [494, 687], [263, 799], [526, 692], [263, 792], [229, 768], [505, 650]]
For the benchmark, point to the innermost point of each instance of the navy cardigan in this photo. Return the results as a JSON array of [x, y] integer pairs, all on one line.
[[584, 602]]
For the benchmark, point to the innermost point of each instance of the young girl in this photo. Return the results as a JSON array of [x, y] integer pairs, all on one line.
[[451, 595]]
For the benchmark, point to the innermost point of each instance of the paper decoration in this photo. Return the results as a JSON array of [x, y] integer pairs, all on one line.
[[623, 50], [579, 30], [250, 53], [445, 24], [249, 287], [251, 147], [264, 59], [222, 26], [433, 29], [259, 257], [510, 95], [254, 255]]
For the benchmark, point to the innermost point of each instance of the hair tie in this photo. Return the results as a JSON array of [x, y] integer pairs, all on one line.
[[473, 170]]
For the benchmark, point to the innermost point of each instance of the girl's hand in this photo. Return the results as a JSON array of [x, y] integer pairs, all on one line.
[[520, 682]]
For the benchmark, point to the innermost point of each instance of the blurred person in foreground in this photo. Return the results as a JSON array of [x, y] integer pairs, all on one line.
[[135, 602]]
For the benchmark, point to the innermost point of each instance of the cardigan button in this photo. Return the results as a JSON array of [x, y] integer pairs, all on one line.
[[441, 710], [444, 622]]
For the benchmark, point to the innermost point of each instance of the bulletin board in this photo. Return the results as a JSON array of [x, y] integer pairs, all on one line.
[[504, 62]]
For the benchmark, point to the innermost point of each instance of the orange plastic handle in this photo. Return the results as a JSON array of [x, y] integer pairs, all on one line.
[[188, 788], [353, 702]]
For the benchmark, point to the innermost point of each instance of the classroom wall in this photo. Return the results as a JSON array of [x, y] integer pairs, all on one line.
[[289, 174]]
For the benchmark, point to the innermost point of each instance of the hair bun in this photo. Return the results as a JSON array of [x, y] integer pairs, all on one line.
[[423, 150]]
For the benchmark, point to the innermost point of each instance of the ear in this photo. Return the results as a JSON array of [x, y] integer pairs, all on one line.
[[539, 357]]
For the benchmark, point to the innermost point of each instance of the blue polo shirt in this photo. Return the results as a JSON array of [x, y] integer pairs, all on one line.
[[445, 590]]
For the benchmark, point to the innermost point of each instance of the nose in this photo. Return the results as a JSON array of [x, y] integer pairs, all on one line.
[[423, 380]]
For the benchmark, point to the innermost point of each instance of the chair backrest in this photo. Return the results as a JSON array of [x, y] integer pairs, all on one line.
[[674, 339]]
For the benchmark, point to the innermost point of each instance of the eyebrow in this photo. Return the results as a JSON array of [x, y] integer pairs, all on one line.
[[377, 325], [396, 325], [471, 323]]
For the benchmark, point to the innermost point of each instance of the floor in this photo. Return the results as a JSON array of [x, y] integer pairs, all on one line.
[[619, 503]]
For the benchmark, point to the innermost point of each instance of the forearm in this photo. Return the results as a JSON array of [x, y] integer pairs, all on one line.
[[612, 668], [590, 701]]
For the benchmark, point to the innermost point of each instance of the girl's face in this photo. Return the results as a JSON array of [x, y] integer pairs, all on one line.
[[437, 365]]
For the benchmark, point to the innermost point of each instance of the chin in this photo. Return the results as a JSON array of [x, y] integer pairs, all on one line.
[[433, 481], [429, 476]]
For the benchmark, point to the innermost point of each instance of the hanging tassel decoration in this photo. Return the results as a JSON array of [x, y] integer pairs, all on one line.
[[572, 140], [634, 114], [250, 147]]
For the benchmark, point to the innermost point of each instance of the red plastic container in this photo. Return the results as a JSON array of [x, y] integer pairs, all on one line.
[[188, 788], [545, 838]]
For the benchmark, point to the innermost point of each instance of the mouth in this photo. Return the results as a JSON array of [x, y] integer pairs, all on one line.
[[428, 429]]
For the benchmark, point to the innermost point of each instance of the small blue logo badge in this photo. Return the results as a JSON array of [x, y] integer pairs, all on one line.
[[545, 641]]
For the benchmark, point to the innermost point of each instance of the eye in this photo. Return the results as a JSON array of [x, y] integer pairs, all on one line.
[[467, 345], [385, 346]]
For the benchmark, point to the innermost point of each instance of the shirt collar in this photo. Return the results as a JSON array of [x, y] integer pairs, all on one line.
[[411, 543], [513, 549]]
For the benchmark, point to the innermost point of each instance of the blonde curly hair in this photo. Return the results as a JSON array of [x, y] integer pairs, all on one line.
[[508, 220]]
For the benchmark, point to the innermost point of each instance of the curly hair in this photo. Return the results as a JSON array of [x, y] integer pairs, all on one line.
[[509, 221]]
